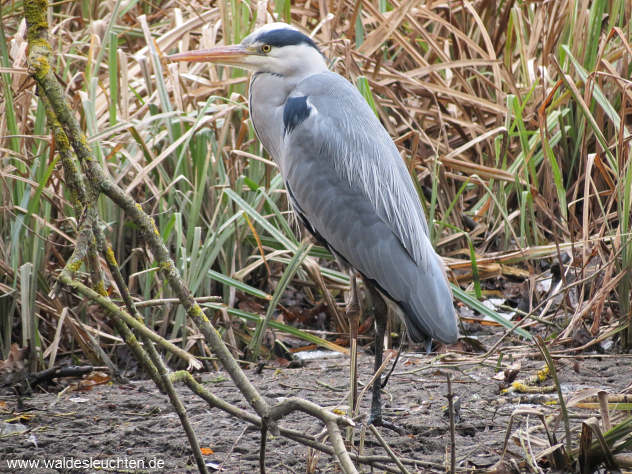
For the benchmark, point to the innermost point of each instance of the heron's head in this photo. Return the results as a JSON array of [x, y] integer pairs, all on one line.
[[276, 48]]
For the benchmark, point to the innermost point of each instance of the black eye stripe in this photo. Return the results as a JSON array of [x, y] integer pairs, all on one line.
[[285, 37]]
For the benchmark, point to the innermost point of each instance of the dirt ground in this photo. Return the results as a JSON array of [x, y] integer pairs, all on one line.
[[134, 425]]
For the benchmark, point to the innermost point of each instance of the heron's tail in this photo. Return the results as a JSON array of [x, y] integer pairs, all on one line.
[[428, 310]]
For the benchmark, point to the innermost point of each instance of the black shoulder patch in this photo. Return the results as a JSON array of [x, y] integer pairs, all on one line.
[[285, 37], [295, 112]]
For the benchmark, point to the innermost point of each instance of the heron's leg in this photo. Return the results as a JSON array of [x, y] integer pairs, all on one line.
[[390, 372], [380, 330], [381, 318], [353, 315]]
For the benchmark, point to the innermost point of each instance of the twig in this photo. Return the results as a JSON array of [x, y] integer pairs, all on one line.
[[151, 359], [32, 379], [298, 436], [331, 422], [585, 441], [232, 448], [450, 397], [314, 271], [161, 301], [388, 449], [603, 408], [287, 406], [353, 317], [116, 311], [551, 365], [529, 454], [145, 358], [516, 413], [81, 252]]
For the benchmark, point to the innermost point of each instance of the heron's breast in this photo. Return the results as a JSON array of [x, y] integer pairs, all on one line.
[[266, 100]]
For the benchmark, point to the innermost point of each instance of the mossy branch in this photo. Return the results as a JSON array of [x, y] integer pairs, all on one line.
[[111, 307], [159, 373], [39, 53], [91, 240]]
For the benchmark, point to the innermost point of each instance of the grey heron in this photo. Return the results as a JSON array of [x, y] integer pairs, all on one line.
[[345, 180]]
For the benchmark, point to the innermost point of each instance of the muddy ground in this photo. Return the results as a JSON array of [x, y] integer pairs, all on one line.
[[134, 423]]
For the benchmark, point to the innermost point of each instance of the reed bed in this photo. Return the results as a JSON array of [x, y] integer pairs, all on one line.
[[513, 118]]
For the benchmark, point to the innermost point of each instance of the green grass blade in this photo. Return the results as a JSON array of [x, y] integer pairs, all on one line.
[[484, 310], [365, 90], [286, 278], [113, 75], [239, 285], [292, 331], [274, 232]]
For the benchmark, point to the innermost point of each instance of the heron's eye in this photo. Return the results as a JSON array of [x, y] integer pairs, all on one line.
[[265, 48]]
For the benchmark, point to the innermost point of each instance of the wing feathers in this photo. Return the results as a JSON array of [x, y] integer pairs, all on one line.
[[347, 132], [347, 180]]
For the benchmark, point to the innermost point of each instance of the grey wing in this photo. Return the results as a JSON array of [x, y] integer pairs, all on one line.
[[346, 178]]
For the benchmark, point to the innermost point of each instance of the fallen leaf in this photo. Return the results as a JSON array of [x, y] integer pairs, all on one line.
[[95, 378]]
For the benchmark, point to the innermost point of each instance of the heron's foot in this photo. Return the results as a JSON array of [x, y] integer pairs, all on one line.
[[376, 419], [379, 421]]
